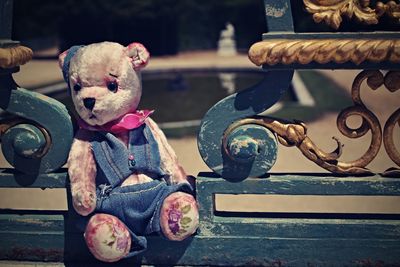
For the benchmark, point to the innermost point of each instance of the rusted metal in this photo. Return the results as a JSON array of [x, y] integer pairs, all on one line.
[[24, 253], [375, 79], [388, 137], [392, 83], [369, 121]]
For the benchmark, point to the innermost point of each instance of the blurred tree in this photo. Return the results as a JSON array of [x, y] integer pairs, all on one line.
[[35, 18], [248, 17], [164, 26], [197, 25]]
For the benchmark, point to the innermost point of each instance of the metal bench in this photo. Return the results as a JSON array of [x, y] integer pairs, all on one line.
[[240, 147]]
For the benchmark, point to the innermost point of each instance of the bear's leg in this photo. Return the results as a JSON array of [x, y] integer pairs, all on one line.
[[107, 238], [179, 216]]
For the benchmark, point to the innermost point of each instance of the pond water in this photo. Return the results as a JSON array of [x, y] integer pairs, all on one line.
[[186, 95], [181, 98]]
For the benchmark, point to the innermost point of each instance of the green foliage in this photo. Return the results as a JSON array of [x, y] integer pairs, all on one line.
[[35, 18], [165, 26]]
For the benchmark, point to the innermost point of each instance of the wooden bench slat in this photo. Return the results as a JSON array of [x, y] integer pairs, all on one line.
[[13, 178]]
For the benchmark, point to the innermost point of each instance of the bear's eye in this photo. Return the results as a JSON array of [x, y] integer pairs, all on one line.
[[112, 86], [77, 87]]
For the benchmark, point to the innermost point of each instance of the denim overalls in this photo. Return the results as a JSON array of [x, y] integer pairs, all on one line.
[[138, 206]]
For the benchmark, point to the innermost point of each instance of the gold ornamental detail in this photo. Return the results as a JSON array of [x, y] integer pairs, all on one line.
[[285, 51], [11, 57], [295, 133], [332, 11]]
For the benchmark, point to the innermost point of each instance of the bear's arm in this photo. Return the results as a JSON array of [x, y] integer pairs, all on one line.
[[169, 161], [82, 173]]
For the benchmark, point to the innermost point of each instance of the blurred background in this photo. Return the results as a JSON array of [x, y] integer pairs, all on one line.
[[165, 27], [187, 74]]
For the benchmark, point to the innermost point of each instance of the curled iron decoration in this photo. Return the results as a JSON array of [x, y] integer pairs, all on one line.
[[248, 151], [34, 142], [388, 137], [364, 11], [39, 138], [40, 143], [375, 79], [392, 83], [295, 133], [369, 121]]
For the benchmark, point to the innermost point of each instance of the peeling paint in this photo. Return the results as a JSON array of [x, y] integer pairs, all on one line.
[[29, 152], [272, 11], [44, 98], [35, 222], [25, 252], [238, 144], [206, 229], [30, 135], [218, 167], [35, 107]]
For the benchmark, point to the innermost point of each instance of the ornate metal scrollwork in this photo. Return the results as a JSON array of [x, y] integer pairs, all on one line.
[[369, 121], [250, 150], [39, 141], [39, 138], [24, 137], [332, 11], [388, 141], [392, 83], [375, 79], [295, 133]]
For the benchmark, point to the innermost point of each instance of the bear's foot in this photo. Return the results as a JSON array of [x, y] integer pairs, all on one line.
[[179, 216], [107, 238]]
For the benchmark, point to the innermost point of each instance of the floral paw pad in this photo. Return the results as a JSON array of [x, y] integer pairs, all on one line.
[[179, 218]]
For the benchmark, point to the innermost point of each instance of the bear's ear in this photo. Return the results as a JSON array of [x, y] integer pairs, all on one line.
[[61, 58], [138, 54]]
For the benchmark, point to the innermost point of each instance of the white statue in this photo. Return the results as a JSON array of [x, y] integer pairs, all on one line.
[[227, 80], [226, 43]]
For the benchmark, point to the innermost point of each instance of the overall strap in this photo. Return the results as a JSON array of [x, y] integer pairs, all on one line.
[[116, 162], [111, 156], [144, 150], [65, 68]]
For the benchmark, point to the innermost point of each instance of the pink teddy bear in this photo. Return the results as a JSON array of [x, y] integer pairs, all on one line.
[[122, 171]]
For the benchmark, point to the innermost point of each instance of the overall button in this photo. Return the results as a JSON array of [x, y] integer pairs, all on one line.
[[132, 161]]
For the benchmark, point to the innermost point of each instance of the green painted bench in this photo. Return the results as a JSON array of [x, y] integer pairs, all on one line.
[[240, 147]]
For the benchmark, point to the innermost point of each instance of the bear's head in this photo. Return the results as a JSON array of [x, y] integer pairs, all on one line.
[[104, 79]]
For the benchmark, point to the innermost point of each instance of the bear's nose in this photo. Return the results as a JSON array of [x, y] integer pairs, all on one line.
[[89, 102]]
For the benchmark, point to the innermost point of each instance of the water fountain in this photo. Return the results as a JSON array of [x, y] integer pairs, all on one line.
[[227, 43]]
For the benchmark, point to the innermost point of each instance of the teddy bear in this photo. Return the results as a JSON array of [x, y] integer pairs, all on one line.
[[124, 176]]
